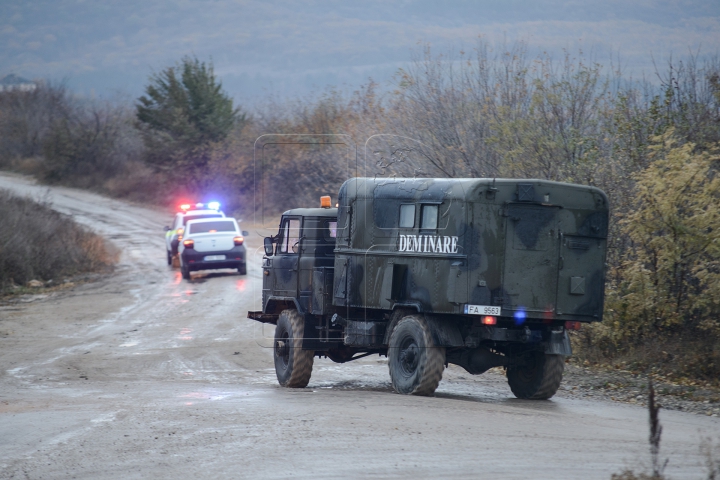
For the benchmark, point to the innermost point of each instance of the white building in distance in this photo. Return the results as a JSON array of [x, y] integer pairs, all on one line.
[[12, 82]]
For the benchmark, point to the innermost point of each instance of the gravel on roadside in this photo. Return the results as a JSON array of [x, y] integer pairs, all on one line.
[[618, 385]]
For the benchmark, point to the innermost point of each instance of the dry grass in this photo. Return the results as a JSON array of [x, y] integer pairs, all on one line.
[[38, 243], [677, 354]]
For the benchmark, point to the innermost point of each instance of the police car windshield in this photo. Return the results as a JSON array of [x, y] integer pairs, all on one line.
[[216, 226], [186, 218]]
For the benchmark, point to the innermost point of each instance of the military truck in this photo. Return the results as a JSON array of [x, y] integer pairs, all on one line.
[[480, 273]]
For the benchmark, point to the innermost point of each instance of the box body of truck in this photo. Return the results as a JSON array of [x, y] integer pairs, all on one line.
[[532, 248]]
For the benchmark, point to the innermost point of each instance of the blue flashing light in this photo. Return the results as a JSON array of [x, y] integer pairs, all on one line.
[[214, 205], [520, 316]]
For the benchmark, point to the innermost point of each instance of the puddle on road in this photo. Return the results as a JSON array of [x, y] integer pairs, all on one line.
[[215, 395], [185, 334], [128, 344]]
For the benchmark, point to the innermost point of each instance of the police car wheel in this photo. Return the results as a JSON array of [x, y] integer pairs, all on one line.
[[416, 365], [293, 365], [539, 378], [242, 269], [185, 272]]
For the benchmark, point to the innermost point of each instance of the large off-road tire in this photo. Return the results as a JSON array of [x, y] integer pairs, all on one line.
[[539, 378], [293, 365], [416, 364]]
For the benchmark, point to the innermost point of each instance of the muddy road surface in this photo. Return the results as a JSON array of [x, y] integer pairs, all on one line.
[[143, 375]]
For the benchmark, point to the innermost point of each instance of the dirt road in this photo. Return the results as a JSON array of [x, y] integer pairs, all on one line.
[[143, 375]]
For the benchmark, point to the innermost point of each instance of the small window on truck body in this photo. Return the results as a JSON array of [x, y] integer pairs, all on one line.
[[407, 216], [429, 218]]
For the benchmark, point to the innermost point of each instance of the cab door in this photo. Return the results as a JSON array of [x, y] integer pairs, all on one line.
[[284, 268]]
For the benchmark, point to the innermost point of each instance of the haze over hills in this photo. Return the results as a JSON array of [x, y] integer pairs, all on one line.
[[293, 48]]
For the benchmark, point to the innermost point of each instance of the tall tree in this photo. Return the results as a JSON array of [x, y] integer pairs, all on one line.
[[186, 102], [184, 116]]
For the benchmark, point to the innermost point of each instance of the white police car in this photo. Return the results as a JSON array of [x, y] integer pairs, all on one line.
[[212, 243], [173, 234]]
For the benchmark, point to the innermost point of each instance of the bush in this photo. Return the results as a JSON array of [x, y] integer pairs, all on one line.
[[663, 300], [38, 243]]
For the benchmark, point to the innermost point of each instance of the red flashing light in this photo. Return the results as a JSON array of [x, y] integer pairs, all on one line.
[[572, 325], [185, 207], [488, 320]]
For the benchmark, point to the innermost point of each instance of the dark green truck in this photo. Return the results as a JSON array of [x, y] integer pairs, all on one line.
[[480, 273]]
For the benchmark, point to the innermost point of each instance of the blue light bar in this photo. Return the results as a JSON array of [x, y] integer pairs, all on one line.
[[214, 205]]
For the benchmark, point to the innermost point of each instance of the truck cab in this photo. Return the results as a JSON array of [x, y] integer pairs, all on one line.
[[302, 249]]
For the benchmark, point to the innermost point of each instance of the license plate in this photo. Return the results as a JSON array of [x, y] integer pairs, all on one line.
[[210, 258], [482, 310]]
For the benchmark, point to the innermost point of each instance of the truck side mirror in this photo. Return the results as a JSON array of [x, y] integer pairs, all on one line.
[[268, 243]]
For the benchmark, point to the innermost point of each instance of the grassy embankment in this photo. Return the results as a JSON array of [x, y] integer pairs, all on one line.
[[40, 244]]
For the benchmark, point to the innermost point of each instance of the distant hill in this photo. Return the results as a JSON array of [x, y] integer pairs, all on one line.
[[262, 47]]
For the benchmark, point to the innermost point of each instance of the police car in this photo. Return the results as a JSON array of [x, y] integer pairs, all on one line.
[[174, 233], [212, 243]]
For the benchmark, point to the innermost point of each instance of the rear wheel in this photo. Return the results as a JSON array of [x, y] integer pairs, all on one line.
[[416, 365], [539, 378], [293, 365], [185, 272], [242, 269]]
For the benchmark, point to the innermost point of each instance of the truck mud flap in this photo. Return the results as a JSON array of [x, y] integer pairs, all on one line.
[[558, 343], [263, 317], [445, 333]]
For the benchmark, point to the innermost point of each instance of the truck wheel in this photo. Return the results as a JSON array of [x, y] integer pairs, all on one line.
[[293, 365], [539, 378], [416, 365]]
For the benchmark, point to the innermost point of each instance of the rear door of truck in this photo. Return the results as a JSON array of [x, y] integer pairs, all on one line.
[[531, 258]]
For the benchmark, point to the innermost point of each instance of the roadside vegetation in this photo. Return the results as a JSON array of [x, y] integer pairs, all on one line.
[[653, 146], [41, 247]]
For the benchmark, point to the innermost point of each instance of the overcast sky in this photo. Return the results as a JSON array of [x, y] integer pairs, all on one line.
[[262, 47]]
